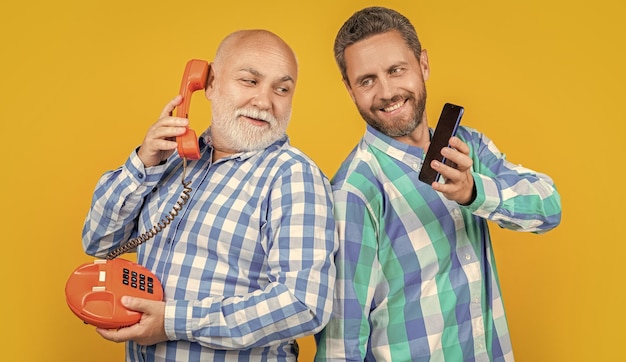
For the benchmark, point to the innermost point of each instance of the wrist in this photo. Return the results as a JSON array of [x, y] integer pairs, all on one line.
[[472, 197]]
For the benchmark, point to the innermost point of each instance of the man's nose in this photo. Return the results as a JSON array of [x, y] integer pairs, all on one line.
[[387, 88], [262, 99]]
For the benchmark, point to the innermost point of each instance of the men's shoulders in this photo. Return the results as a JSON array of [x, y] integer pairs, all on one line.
[[356, 174], [284, 157]]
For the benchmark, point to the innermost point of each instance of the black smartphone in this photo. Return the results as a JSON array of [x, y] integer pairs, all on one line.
[[446, 127]]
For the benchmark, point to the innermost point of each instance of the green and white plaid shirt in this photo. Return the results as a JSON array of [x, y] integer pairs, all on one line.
[[416, 277]]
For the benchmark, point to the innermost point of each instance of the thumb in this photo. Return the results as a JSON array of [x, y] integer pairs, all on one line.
[[132, 303]]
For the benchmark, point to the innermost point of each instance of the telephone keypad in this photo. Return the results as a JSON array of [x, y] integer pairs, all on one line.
[[138, 281]]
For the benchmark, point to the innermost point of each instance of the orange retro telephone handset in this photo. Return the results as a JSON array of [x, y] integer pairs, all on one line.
[[194, 79], [94, 290]]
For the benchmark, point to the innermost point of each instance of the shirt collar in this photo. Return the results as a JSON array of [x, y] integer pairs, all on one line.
[[392, 147]]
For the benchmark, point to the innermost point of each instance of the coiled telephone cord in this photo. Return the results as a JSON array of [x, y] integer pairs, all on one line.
[[133, 243]]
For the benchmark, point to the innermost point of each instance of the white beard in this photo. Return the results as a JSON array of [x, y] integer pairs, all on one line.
[[239, 135], [242, 136]]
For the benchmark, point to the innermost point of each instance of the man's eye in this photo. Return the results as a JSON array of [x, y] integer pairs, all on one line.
[[366, 82], [249, 81]]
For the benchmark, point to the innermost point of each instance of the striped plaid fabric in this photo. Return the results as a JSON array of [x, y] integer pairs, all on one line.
[[416, 276], [247, 265]]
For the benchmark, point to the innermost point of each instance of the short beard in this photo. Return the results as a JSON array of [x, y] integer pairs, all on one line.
[[397, 128], [240, 136]]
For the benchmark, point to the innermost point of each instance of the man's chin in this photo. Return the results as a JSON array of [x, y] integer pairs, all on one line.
[[255, 146], [390, 131]]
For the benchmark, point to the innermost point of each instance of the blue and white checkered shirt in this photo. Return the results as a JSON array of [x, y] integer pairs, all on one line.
[[246, 266]]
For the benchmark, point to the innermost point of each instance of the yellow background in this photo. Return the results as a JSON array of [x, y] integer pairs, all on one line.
[[81, 81]]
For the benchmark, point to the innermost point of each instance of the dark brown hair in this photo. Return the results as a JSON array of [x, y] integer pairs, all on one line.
[[372, 21]]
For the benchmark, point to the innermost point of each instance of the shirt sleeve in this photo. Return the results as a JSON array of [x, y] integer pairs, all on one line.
[[300, 250], [510, 195], [346, 336], [115, 206]]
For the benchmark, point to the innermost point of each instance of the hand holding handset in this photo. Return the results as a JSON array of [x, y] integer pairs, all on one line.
[[446, 127], [94, 291], [194, 78]]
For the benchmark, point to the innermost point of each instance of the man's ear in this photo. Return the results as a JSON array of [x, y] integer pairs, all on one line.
[[349, 88], [210, 86], [424, 64]]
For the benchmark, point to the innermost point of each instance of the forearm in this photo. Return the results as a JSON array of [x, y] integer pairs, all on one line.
[[263, 318], [116, 203], [509, 194], [528, 203]]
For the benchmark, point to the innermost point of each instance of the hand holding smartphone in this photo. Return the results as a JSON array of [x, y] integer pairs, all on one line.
[[446, 127]]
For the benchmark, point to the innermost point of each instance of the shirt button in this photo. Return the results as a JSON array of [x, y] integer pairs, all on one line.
[[415, 165], [140, 175], [468, 257]]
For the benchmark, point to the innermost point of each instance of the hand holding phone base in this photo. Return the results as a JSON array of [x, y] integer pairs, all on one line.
[[94, 291]]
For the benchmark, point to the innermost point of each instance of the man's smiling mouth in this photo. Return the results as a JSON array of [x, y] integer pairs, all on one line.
[[256, 116], [393, 107]]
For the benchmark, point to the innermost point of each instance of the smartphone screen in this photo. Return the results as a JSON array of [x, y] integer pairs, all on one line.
[[446, 128]]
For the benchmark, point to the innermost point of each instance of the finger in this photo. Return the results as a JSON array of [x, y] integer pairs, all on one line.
[[456, 159], [446, 171], [450, 176], [459, 145], [139, 304], [114, 335], [135, 304], [169, 128], [165, 144], [169, 107], [441, 187]]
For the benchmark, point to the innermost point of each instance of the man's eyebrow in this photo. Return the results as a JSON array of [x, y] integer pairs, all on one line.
[[360, 78], [253, 71], [287, 78]]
